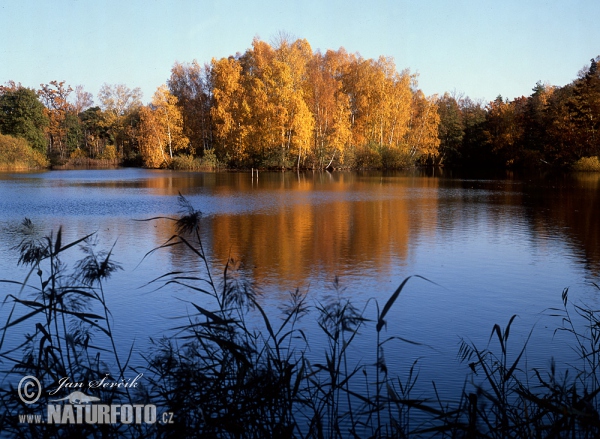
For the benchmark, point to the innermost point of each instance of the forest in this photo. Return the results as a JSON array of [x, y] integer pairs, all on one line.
[[284, 105]]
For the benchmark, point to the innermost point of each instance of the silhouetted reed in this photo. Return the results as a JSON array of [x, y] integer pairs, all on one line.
[[230, 370], [65, 320]]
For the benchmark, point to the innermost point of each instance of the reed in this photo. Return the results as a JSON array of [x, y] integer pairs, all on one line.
[[187, 162], [64, 316], [228, 369]]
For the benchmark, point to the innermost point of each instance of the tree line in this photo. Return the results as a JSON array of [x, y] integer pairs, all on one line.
[[283, 105], [556, 126]]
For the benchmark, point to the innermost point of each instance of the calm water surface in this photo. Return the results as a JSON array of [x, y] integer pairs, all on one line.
[[493, 247]]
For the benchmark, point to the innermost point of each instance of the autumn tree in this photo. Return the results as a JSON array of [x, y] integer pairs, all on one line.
[[422, 136], [121, 106], [118, 99], [299, 121], [285, 106], [503, 131], [260, 111], [279, 127], [161, 129], [83, 99], [190, 84], [264, 116], [380, 100], [63, 131], [330, 107], [230, 111]]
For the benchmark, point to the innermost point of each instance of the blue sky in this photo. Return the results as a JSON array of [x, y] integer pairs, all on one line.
[[478, 47]]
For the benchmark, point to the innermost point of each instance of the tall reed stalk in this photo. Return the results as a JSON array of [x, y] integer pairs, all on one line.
[[56, 309], [228, 369]]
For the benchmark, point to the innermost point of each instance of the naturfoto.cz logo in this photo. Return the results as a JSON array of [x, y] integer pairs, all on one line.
[[79, 407]]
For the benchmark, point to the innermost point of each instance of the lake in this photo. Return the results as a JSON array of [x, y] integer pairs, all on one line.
[[492, 247]]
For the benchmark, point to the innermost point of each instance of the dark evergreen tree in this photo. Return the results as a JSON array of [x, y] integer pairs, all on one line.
[[475, 150], [450, 131], [585, 112]]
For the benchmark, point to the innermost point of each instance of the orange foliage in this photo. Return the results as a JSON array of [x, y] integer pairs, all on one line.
[[161, 129], [287, 106]]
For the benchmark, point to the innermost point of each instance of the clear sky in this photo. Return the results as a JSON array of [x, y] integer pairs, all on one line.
[[481, 48]]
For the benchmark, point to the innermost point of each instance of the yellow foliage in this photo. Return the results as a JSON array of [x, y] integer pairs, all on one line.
[[109, 153], [294, 107], [330, 107], [151, 140], [381, 102], [78, 154], [17, 154], [229, 111], [161, 129], [422, 137], [587, 164]]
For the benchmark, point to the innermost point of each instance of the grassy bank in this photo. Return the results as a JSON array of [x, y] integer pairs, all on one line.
[[17, 155], [223, 377]]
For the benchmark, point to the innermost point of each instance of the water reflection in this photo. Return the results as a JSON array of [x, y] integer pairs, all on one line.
[[290, 224], [569, 205], [351, 222], [498, 246], [291, 227]]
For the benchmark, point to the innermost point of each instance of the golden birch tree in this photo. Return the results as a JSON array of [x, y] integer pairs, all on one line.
[[265, 115], [229, 112], [276, 116], [161, 129], [422, 138], [380, 99], [330, 107], [298, 122]]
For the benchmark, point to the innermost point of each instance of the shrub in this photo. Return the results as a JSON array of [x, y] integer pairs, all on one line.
[[395, 158], [109, 153], [187, 162], [587, 164], [210, 159], [78, 159], [17, 154], [365, 157], [375, 156], [184, 162], [77, 154]]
